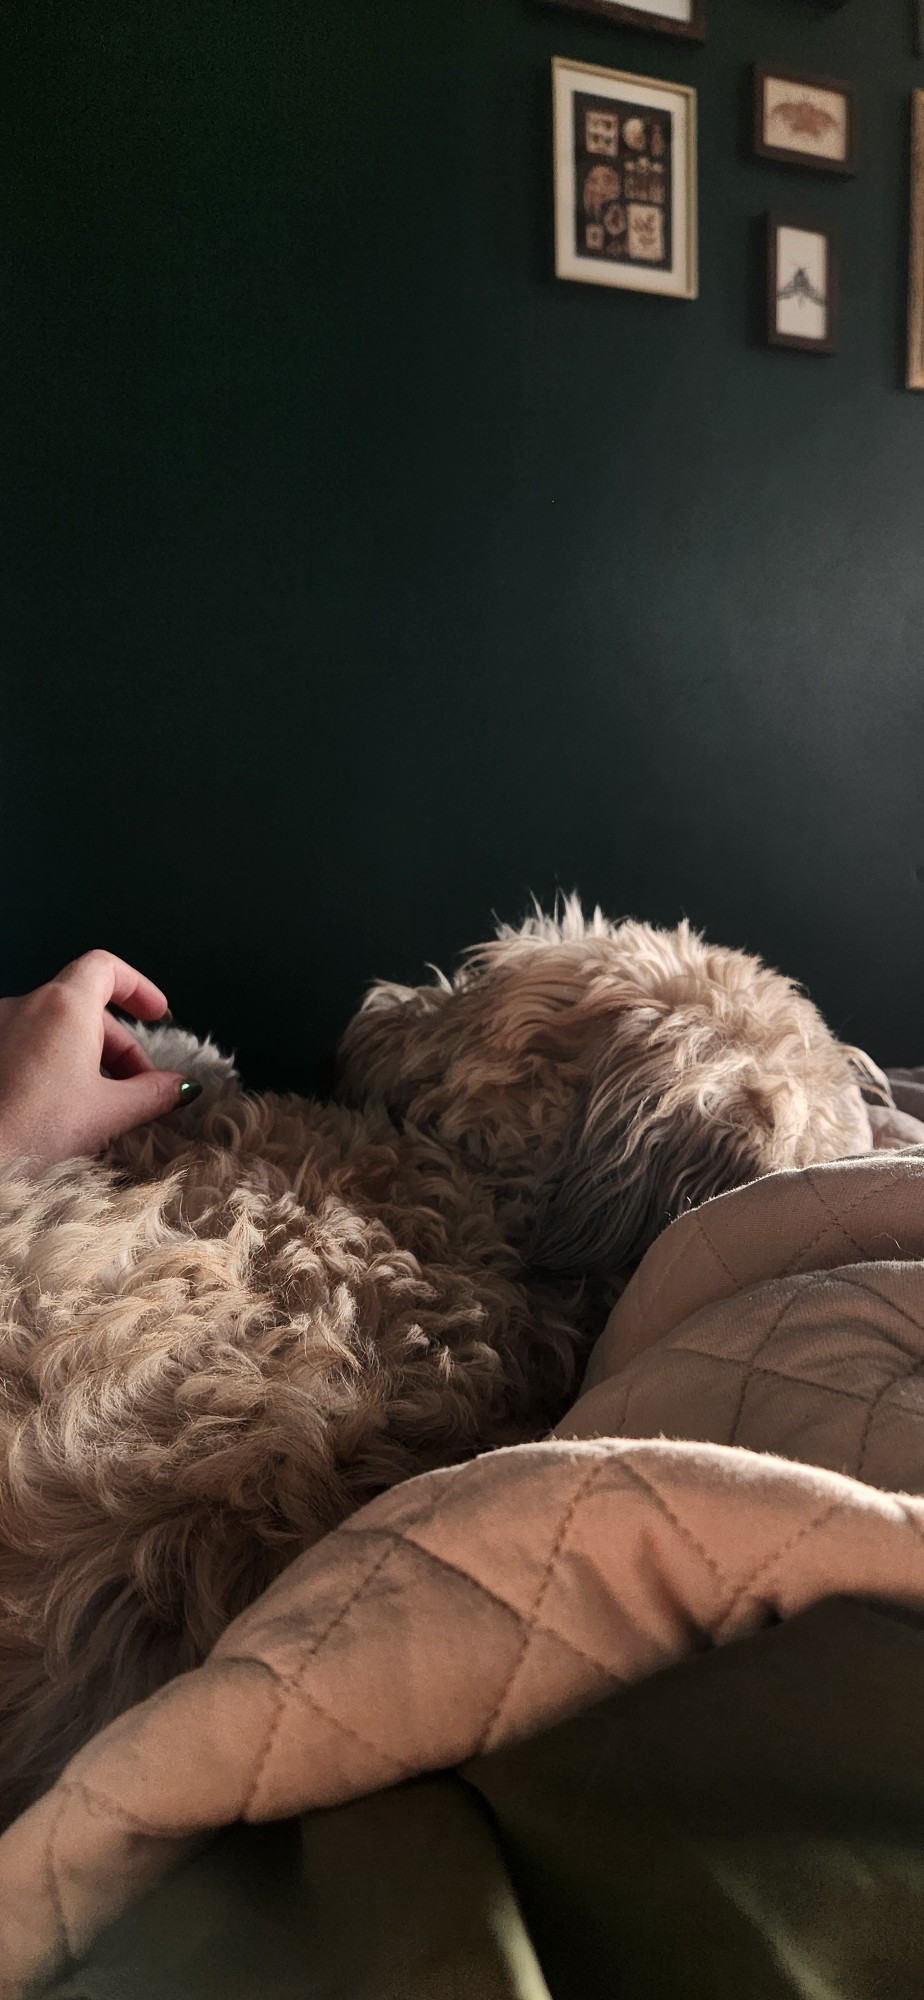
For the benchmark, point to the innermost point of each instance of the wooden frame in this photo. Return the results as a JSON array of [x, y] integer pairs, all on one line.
[[797, 156], [651, 103], [916, 261], [693, 30], [776, 338]]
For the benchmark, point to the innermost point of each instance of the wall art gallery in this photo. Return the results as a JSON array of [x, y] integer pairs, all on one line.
[[625, 178]]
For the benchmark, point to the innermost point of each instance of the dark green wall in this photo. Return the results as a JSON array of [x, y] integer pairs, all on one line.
[[358, 577]]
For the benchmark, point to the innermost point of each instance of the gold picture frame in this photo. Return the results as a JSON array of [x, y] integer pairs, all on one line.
[[916, 261], [625, 161]]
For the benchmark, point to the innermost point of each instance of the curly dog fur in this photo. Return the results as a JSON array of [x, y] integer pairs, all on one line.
[[217, 1343]]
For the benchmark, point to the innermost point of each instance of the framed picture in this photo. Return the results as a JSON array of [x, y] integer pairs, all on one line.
[[916, 272], [801, 285], [666, 17], [804, 121], [625, 180]]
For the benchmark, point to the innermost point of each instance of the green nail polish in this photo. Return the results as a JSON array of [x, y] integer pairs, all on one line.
[[166, 1020], [189, 1091]]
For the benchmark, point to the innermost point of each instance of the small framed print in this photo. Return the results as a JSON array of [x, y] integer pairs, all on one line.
[[804, 121], [801, 285], [625, 180], [916, 266], [665, 17]]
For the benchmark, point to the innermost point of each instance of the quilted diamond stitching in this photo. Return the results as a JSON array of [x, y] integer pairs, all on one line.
[[876, 1405], [837, 1218], [748, 1587], [686, 1534], [343, 1610], [55, 1894], [762, 1368], [647, 1301], [401, 1538], [705, 1238], [503, 1603], [684, 1344], [263, 1755], [892, 1305], [381, 1560], [759, 1349], [530, 1623], [909, 1511], [293, 1687], [621, 1418], [648, 1292], [594, 1473], [308, 1660], [99, 1803]]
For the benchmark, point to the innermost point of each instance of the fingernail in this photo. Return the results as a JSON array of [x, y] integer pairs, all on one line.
[[189, 1091], [166, 1020]]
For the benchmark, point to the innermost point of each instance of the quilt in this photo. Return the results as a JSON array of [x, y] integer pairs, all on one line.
[[748, 1442]]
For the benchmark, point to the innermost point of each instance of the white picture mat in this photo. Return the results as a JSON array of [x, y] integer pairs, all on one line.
[[665, 10], [572, 78], [831, 144], [802, 249]]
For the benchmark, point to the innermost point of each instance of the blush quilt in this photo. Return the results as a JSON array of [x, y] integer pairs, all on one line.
[[749, 1441]]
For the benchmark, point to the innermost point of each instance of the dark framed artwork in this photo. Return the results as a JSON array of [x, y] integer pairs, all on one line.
[[805, 121], [916, 261], [801, 285], [664, 17], [625, 180]]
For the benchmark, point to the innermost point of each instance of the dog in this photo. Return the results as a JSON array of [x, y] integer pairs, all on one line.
[[219, 1341]]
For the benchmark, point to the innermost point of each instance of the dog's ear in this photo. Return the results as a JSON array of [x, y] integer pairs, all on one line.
[[874, 1084], [641, 1150], [389, 1049]]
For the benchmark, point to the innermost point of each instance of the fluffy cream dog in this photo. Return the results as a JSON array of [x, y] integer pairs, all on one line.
[[220, 1341]]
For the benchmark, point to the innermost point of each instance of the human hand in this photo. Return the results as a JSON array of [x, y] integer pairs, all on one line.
[[72, 1077]]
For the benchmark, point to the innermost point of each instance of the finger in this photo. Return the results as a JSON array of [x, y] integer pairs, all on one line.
[[138, 1099], [103, 978], [122, 1055]]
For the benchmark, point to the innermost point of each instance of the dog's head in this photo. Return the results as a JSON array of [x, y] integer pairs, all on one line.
[[609, 1076]]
